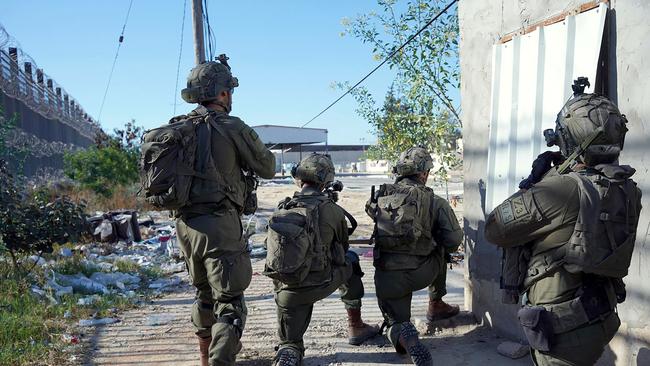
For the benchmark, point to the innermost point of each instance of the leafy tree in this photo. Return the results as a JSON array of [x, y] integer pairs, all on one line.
[[418, 109], [428, 66], [34, 223], [112, 162]]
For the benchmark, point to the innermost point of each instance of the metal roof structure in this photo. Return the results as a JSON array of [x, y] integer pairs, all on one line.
[[288, 136], [532, 73]]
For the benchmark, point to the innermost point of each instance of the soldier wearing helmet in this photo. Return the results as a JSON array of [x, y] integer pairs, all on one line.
[[576, 228], [209, 228], [331, 267], [414, 230]]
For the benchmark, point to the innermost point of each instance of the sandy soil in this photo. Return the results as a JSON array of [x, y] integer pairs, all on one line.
[[135, 341]]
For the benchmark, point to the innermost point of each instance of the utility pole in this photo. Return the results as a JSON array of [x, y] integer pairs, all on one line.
[[197, 23]]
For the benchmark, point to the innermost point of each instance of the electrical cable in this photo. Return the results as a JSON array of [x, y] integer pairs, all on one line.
[[392, 54], [180, 53], [208, 33], [110, 75]]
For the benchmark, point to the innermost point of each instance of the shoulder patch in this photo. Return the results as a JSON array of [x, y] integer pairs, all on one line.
[[519, 207], [253, 134], [505, 211]]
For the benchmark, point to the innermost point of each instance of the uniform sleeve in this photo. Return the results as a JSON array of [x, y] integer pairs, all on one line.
[[535, 213], [447, 231], [254, 154], [333, 226]]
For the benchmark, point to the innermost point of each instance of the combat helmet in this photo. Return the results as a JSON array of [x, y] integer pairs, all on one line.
[[413, 161], [207, 80], [582, 117], [315, 168]]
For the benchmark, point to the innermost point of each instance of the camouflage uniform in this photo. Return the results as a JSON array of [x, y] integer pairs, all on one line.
[[210, 230], [543, 219], [399, 274], [295, 302]]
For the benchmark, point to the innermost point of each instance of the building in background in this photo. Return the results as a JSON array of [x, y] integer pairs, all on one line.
[[518, 59]]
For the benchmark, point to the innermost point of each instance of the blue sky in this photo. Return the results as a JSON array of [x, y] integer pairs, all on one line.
[[286, 55]]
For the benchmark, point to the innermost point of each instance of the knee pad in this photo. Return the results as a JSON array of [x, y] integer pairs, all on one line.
[[203, 318]]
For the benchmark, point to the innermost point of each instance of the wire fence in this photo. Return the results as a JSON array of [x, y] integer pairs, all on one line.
[[22, 79]]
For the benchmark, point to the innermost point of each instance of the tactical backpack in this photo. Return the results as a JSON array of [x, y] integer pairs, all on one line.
[[398, 211], [603, 239], [168, 158], [294, 246]]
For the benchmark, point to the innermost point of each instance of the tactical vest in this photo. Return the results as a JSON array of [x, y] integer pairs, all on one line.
[[402, 216], [605, 231]]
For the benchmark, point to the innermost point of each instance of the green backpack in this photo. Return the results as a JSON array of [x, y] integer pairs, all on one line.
[[603, 244], [168, 155], [293, 243], [398, 211]]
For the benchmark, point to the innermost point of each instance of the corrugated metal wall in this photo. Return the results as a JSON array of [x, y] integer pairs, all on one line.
[[531, 80]]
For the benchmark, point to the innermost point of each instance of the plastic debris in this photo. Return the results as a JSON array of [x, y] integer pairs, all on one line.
[[38, 260], [82, 284], [165, 283], [96, 322], [89, 300], [65, 252], [67, 314], [115, 279], [68, 338]]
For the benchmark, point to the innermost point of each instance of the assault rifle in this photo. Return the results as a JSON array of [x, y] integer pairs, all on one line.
[[572, 160]]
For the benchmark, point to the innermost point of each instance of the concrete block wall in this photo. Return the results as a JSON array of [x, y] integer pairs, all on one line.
[[482, 23]]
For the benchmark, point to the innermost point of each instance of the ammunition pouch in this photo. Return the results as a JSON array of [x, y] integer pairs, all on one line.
[[540, 323], [537, 326]]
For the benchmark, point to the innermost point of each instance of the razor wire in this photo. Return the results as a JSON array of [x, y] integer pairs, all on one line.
[[22, 79]]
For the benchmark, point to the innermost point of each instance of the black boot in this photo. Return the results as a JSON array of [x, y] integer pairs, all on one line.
[[287, 356], [409, 341]]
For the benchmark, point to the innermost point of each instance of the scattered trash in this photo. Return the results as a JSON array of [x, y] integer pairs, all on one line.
[[96, 322], [159, 319], [39, 261], [82, 284], [165, 283], [67, 314], [37, 290], [115, 279], [513, 350], [172, 268], [68, 338], [65, 252], [89, 300]]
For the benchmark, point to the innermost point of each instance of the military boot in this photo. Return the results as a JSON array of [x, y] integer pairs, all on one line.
[[358, 331], [439, 310], [204, 350], [410, 343], [287, 356]]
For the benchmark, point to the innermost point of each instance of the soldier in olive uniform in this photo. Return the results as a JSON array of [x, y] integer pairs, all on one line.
[[569, 312], [342, 271], [209, 229], [407, 261]]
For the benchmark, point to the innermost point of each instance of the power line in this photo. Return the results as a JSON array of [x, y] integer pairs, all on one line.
[[110, 75], [392, 54], [180, 53]]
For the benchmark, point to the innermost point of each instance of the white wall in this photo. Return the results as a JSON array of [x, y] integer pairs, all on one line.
[[482, 24]]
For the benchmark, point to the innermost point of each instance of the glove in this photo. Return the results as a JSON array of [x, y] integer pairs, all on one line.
[[541, 165]]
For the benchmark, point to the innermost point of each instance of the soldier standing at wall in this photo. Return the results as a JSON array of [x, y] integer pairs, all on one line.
[[578, 231], [414, 229], [308, 259], [195, 165]]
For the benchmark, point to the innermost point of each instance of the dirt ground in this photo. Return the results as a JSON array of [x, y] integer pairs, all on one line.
[[161, 333]]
